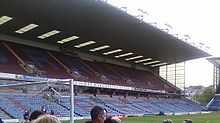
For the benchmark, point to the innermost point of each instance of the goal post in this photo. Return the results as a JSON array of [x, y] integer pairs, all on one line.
[[67, 82]]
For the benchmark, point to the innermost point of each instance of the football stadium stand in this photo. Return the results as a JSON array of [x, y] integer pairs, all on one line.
[[112, 56], [13, 105]]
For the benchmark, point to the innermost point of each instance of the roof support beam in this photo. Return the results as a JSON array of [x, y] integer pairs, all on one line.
[[8, 38]]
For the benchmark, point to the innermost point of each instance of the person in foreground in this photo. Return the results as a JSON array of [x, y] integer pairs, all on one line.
[[98, 115], [46, 119], [35, 114]]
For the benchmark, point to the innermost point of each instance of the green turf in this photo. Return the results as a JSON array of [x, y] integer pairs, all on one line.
[[198, 118]]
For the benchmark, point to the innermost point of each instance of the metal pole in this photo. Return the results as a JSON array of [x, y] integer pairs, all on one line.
[[166, 72], [72, 101], [214, 77], [218, 77], [184, 79], [175, 75]]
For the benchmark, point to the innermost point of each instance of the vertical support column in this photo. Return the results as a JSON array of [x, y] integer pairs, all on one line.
[[72, 101], [184, 79], [166, 72], [175, 75], [218, 76], [214, 77]]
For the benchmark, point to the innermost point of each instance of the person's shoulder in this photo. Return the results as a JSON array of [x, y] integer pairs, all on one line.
[[113, 120]]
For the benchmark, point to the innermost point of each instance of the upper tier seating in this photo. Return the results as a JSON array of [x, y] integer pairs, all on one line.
[[56, 65], [77, 67], [40, 59]]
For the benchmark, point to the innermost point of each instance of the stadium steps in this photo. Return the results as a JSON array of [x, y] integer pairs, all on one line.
[[113, 109], [4, 114], [97, 100], [17, 104], [78, 114], [162, 107], [100, 101], [214, 104], [108, 106], [135, 106], [8, 107], [198, 106], [211, 101], [148, 109]]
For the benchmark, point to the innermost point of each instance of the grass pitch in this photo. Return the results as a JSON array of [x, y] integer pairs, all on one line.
[[197, 118]]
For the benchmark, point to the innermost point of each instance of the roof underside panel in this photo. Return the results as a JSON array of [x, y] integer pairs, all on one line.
[[93, 21], [214, 60]]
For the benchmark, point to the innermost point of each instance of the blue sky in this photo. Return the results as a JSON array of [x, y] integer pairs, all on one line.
[[198, 18]]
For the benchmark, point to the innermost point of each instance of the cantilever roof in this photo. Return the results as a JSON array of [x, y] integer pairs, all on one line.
[[214, 60], [97, 25]]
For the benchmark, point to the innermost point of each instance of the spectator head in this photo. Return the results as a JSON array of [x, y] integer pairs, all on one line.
[[168, 121], [51, 112], [46, 119], [26, 115], [35, 114], [43, 109], [98, 114]]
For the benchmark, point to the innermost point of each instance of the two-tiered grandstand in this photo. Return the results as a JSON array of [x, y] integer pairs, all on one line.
[[113, 57]]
